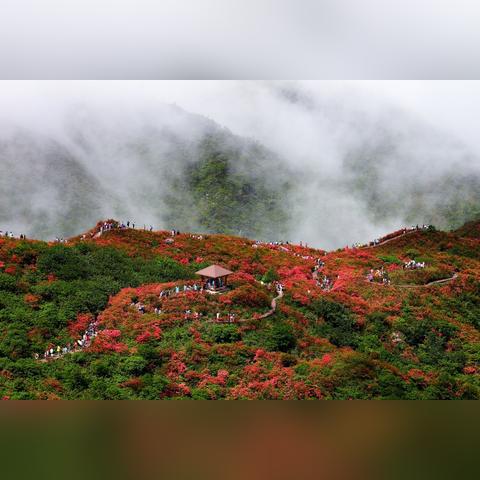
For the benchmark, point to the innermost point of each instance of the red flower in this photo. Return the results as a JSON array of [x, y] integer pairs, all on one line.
[[11, 269], [326, 359], [31, 299], [78, 327], [107, 341]]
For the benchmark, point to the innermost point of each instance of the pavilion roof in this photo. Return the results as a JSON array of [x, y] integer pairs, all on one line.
[[214, 271]]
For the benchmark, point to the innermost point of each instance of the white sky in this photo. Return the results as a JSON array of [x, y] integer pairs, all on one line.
[[239, 39]]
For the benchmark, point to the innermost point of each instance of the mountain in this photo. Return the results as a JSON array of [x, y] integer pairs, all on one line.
[[392, 163], [169, 168], [173, 169], [349, 324], [45, 186]]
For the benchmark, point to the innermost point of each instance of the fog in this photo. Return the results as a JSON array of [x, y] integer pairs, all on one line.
[[412, 136], [239, 39]]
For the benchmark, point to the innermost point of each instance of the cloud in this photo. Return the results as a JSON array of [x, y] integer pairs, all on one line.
[[410, 134]]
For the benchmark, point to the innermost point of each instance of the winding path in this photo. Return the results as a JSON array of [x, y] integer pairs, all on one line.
[[408, 232], [273, 309], [435, 282], [273, 305], [411, 285]]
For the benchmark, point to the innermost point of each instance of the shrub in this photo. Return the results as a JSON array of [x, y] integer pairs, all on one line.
[[223, 333], [390, 259], [270, 276], [340, 327], [161, 269], [282, 338], [7, 282], [64, 262], [249, 296], [134, 365]]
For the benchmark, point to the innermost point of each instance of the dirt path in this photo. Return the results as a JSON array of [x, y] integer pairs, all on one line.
[[436, 282], [273, 308], [408, 232], [273, 305], [410, 285]]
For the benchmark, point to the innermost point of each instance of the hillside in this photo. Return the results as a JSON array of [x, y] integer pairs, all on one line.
[[349, 324]]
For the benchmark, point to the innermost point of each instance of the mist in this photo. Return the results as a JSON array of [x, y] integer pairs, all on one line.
[[362, 158]]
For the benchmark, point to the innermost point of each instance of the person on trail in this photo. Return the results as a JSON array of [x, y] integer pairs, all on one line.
[[151, 228], [218, 316], [177, 289], [128, 223], [133, 225]]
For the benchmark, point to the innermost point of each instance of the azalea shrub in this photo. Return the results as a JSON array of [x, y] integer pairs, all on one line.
[[249, 296]]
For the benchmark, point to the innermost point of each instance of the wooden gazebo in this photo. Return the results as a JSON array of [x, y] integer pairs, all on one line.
[[214, 277]]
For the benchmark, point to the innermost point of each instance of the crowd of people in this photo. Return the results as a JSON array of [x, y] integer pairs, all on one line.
[[166, 294], [403, 231], [319, 264], [281, 246], [325, 283], [8, 234], [83, 342], [188, 314], [177, 289], [113, 225], [378, 275], [413, 265]]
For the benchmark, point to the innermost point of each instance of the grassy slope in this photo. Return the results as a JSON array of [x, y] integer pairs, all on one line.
[[358, 340]]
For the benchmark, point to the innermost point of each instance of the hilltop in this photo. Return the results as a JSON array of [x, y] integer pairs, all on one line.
[[126, 317]]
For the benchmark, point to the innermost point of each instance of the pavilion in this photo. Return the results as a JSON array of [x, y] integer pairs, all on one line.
[[214, 277]]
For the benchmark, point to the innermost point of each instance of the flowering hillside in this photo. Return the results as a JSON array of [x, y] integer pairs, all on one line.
[[119, 313]]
